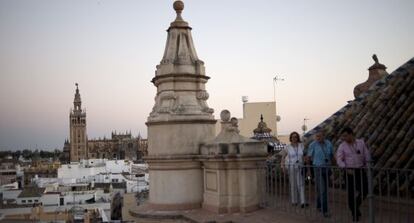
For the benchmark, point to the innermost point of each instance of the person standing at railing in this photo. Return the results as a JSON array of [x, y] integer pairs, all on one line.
[[320, 154], [292, 159], [354, 155]]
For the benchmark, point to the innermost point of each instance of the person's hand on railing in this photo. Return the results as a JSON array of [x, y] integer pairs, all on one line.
[[309, 177], [306, 159], [308, 174]]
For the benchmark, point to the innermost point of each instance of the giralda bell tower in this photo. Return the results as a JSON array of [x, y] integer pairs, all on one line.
[[77, 128]]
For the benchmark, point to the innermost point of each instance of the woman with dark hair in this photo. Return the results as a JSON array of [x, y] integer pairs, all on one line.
[[292, 159]]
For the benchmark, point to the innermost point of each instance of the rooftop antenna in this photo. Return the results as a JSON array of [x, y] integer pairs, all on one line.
[[304, 126], [275, 80]]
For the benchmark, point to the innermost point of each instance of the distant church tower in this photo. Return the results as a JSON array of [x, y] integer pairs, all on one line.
[[78, 139]]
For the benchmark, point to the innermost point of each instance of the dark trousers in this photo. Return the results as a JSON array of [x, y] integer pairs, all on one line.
[[321, 182], [357, 187]]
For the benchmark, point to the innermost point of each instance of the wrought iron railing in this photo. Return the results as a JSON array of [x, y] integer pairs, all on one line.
[[365, 195]]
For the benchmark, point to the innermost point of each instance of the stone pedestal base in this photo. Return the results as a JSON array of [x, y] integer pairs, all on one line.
[[176, 182], [232, 185]]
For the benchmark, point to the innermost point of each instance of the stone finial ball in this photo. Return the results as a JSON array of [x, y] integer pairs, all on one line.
[[234, 121], [225, 115], [178, 6]]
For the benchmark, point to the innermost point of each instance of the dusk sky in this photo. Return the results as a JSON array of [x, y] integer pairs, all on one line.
[[322, 48]]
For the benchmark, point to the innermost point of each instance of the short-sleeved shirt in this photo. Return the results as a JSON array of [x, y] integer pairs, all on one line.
[[320, 153], [353, 155]]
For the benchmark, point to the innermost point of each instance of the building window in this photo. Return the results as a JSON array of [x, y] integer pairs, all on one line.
[[36, 201], [23, 201], [29, 201]]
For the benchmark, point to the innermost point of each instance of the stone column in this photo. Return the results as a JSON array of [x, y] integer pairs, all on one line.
[[179, 122]]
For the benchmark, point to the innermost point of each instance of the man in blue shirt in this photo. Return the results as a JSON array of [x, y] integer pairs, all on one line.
[[320, 154]]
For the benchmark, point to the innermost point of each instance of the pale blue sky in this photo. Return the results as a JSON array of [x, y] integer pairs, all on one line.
[[111, 47]]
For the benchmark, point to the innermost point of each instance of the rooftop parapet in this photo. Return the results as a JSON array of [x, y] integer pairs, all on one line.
[[229, 141]]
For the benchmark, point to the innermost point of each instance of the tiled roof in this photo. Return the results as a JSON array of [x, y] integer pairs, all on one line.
[[383, 116]]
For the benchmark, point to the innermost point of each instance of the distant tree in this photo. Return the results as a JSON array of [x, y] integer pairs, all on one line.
[[36, 155], [17, 154], [57, 154], [42, 154], [4, 154], [27, 154]]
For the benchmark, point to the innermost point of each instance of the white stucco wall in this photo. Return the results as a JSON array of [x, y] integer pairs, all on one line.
[[11, 194], [28, 200], [50, 199], [87, 168], [77, 171]]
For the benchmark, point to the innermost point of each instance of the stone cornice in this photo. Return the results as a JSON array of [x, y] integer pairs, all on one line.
[[197, 157], [194, 161], [184, 121], [192, 76]]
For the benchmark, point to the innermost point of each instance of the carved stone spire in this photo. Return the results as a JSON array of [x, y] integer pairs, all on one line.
[[179, 50], [77, 102], [180, 77], [179, 122], [376, 72]]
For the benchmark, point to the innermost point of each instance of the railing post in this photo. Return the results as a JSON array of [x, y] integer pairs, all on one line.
[[370, 195]]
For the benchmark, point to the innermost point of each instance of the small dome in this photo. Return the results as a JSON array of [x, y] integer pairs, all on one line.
[[261, 127]]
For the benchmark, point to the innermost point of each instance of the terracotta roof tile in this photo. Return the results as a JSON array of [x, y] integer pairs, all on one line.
[[383, 116]]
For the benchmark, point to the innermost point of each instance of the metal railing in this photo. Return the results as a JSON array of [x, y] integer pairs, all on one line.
[[333, 194]]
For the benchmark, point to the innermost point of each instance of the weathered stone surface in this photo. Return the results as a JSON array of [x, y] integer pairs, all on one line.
[[188, 167], [180, 78], [179, 122], [232, 169]]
